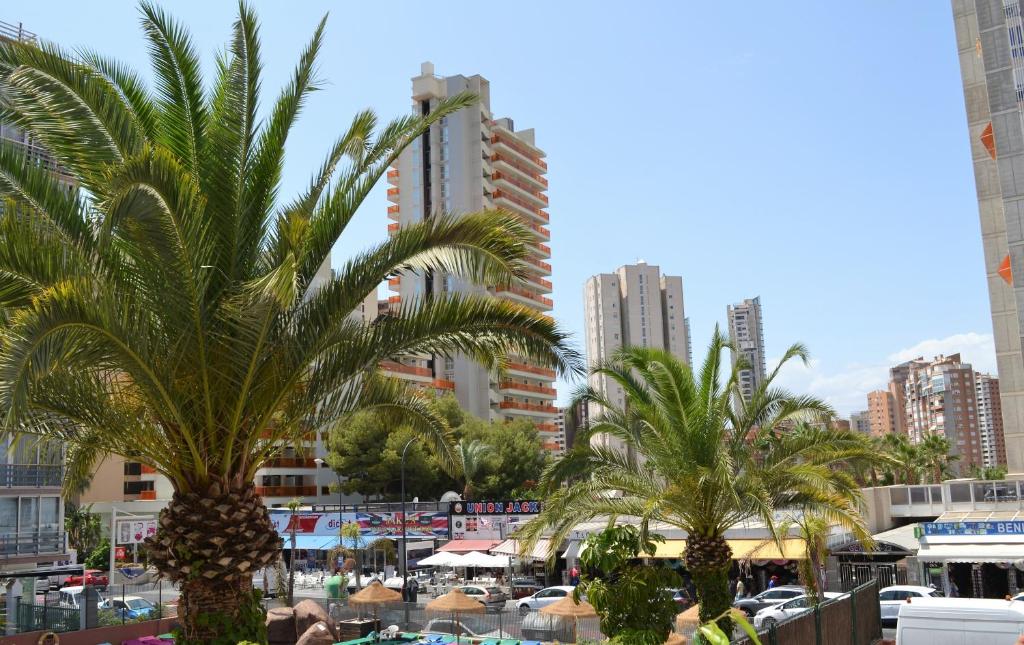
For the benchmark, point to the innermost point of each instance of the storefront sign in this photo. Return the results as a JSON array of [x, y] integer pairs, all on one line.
[[972, 528], [134, 531], [489, 520], [517, 507], [428, 524]]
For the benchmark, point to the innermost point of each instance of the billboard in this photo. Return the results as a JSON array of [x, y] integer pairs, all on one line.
[[492, 520], [418, 524], [134, 531]]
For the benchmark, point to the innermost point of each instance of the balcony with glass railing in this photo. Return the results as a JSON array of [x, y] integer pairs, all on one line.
[[31, 543], [30, 476]]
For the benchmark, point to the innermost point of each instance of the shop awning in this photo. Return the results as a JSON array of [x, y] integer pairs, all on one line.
[[311, 542], [971, 553], [742, 549], [573, 550], [465, 546], [511, 547]]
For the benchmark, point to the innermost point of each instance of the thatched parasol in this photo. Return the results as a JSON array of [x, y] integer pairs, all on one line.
[[675, 639], [688, 618], [456, 602], [569, 608], [374, 594]]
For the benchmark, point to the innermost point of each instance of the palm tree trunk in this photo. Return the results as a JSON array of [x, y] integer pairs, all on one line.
[[291, 570], [708, 559], [210, 542]]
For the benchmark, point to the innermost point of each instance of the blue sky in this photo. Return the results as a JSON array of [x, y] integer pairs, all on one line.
[[811, 153]]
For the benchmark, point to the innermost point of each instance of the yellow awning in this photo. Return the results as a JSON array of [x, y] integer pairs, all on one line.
[[755, 549]]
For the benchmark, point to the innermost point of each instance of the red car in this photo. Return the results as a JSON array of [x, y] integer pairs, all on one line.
[[93, 578]]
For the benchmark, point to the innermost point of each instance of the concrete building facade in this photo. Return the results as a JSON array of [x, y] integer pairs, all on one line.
[[746, 330], [990, 420], [882, 413], [861, 422], [991, 53]]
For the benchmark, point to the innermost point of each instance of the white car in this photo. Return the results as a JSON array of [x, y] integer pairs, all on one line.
[[890, 599], [783, 611], [471, 626], [543, 598]]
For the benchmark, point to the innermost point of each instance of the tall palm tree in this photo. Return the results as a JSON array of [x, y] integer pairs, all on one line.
[[473, 456], [693, 460], [350, 530], [936, 459], [171, 306], [293, 526], [905, 460]]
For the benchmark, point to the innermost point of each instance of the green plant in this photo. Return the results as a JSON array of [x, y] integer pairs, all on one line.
[[99, 557], [710, 632], [350, 531], [686, 449], [162, 300], [473, 455], [83, 527], [629, 596]]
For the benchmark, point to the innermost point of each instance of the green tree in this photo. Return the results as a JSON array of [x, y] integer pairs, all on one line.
[[936, 460], [83, 528], [989, 473], [629, 596], [473, 455], [905, 463], [99, 557], [516, 460], [172, 307], [696, 456]]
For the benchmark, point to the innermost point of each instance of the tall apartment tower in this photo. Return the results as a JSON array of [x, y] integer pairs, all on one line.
[[466, 162], [990, 420], [861, 422], [940, 399], [882, 413], [635, 306], [746, 330], [991, 58]]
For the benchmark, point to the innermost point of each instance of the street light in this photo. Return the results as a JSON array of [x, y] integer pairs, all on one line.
[[404, 549]]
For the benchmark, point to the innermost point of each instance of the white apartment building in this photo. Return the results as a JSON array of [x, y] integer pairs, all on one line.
[[746, 330], [861, 422], [471, 161], [635, 306]]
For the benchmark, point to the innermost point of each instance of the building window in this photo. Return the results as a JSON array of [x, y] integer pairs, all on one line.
[[132, 468], [134, 488]]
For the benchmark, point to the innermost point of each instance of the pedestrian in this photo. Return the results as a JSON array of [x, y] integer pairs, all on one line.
[[574, 576], [333, 587], [774, 580], [741, 589]]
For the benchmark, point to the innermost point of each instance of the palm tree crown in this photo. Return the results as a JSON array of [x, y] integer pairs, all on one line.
[[473, 456], [696, 456], [170, 307]]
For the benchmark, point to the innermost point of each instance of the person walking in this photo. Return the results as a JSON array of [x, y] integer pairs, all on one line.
[[333, 589], [574, 576], [773, 581], [741, 589]]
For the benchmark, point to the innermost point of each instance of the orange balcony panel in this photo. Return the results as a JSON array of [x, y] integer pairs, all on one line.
[[529, 407], [498, 194], [393, 173], [526, 294], [540, 282], [531, 369], [544, 248], [395, 282], [393, 209], [392, 366], [290, 462], [549, 445], [392, 192], [393, 228], [988, 139], [285, 491], [148, 470], [511, 142], [521, 167], [522, 186], [540, 264], [394, 300], [523, 387], [1006, 271], [443, 384], [147, 494], [547, 427]]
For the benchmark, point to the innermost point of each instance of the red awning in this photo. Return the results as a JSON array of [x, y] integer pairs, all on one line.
[[465, 546]]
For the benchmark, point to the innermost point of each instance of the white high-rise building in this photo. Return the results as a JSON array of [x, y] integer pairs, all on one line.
[[635, 306], [471, 161], [746, 331]]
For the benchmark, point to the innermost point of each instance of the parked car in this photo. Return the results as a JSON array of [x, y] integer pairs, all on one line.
[[767, 598], [774, 614], [543, 598], [71, 597], [129, 607], [890, 599], [92, 578], [940, 621], [521, 588], [468, 625], [493, 598], [546, 629]]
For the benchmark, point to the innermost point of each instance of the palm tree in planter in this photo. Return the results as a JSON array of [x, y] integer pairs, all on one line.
[[687, 451], [169, 306]]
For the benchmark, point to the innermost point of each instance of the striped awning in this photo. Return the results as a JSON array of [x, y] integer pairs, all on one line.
[[511, 547]]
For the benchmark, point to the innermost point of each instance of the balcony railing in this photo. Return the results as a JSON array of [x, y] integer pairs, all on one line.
[[521, 203], [540, 282], [523, 387], [16, 32], [526, 294], [393, 228], [541, 264], [391, 366], [147, 470], [547, 427], [504, 139], [30, 476], [286, 491], [392, 192], [530, 407], [31, 543], [290, 462], [530, 190], [531, 369], [523, 168], [444, 384], [149, 495]]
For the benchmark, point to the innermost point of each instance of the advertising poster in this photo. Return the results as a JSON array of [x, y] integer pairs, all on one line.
[[419, 524]]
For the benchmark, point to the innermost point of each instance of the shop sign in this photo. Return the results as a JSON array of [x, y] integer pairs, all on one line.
[[428, 524], [515, 507], [971, 528]]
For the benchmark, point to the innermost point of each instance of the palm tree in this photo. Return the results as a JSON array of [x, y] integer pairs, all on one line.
[[350, 530], [293, 526], [473, 455], [172, 307], [904, 459], [693, 460], [936, 460]]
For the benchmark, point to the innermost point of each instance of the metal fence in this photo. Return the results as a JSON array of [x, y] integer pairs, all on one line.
[[52, 618], [504, 623], [853, 619], [59, 610]]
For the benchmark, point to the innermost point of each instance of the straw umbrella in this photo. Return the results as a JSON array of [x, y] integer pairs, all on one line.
[[675, 639], [374, 594], [688, 618], [457, 603], [568, 607]]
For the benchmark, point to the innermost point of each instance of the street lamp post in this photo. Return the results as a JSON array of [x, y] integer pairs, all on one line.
[[404, 549]]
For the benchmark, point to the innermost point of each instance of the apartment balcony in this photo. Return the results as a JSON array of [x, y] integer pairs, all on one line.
[[547, 427], [408, 372], [541, 249], [290, 462], [443, 384], [394, 283], [394, 228], [526, 297], [146, 470], [394, 300], [146, 495], [393, 176], [506, 199], [393, 195], [520, 170], [286, 491], [520, 189], [541, 232], [13, 545], [502, 138], [393, 212], [538, 391], [539, 283], [543, 267], [531, 409], [30, 476], [530, 370]]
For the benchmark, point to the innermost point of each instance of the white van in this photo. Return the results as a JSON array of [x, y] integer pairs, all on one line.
[[959, 621]]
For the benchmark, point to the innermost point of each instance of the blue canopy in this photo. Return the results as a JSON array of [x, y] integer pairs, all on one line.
[[323, 542]]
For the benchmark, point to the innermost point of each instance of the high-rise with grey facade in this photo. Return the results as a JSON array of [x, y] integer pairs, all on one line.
[[746, 331], [991, 52], [636, 305]]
